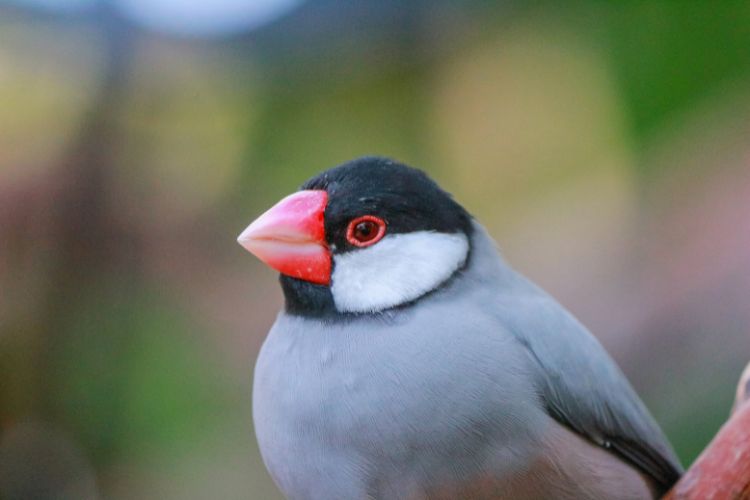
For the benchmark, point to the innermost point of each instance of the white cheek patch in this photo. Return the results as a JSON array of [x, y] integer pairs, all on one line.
[[395, 270]]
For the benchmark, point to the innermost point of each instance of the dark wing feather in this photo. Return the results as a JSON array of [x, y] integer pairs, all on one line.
[[582, 388], [659, 464]]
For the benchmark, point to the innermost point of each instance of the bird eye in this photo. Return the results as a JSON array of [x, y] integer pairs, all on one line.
[[365, 231]]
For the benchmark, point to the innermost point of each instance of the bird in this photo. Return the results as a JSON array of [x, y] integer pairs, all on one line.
[[411, 361]]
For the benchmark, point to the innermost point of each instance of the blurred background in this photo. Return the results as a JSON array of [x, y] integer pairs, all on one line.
[[606, 145]]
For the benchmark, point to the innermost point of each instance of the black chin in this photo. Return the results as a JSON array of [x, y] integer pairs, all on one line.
[[307, 299]]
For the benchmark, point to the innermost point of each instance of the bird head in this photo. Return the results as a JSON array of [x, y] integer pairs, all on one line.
[[366, 236]]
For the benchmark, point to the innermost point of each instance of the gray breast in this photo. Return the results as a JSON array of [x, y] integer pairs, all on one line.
[[430, 394]]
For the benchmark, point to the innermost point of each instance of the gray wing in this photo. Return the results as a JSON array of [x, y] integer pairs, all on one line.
[[582, 387]]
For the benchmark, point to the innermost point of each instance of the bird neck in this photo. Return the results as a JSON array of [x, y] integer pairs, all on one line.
[[303, 298]]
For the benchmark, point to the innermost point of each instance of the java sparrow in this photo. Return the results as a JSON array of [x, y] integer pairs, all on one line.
[[411, 361]]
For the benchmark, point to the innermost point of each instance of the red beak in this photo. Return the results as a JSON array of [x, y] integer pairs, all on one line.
[[290, 237]]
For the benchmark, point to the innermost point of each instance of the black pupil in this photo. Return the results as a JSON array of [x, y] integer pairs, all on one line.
[[365, 230]]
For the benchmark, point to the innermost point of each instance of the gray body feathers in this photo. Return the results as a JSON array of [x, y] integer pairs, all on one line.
[[486, 388]]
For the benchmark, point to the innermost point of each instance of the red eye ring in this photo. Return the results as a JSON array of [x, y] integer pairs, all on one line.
[[361, 232]]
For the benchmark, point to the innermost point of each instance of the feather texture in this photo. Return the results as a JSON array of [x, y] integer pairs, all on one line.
[[398, 269]]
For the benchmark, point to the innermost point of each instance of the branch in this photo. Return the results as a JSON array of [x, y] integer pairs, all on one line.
[[722, 471]]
